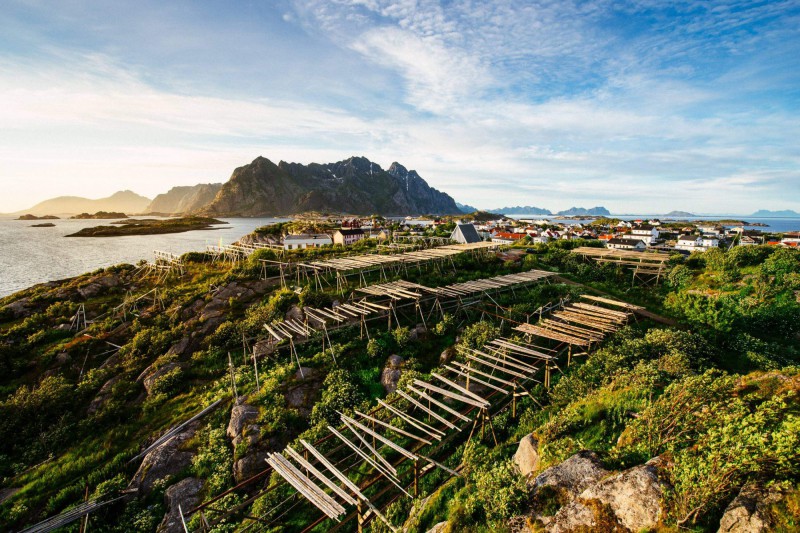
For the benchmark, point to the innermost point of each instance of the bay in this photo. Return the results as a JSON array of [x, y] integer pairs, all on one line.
[[36, 255]]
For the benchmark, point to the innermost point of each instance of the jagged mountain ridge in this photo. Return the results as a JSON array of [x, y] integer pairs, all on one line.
[[184, 199], [355, 185]]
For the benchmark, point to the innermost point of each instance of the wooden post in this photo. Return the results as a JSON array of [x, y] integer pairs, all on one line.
[[416, 477], [514, 401], [85, 520], [361, 520], [233, 378]]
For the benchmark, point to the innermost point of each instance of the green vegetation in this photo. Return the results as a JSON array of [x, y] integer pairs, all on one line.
[[716, 395]]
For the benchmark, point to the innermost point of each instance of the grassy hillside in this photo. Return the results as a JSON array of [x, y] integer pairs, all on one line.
[[77, 407]]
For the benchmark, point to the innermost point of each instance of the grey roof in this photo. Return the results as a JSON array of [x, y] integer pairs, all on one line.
[[356, 231], [626, 242], [465, 233]]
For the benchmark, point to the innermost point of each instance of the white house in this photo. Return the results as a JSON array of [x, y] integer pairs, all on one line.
[[306, 240], [707, 241], [644, 232], [689, 243], [626, 244], [710, 229], [348, 236]]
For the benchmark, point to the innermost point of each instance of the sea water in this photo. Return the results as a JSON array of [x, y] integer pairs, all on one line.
[[35, 255]]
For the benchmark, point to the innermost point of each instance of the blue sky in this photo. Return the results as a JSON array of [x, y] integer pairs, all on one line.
[[641, 106]]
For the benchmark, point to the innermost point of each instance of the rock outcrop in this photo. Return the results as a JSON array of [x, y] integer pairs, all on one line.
[[628, 501], [302, 393], [165, 461], [572, 476], [391, 373], [747, 513], [181, 496], [527, 456]]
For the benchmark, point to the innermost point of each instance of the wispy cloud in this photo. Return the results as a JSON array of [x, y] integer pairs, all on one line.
[[634, 103]]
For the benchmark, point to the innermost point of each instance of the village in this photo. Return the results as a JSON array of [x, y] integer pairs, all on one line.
[[635, 235]]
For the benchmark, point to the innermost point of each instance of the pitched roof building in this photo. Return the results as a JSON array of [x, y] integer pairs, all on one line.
[[465, 233]]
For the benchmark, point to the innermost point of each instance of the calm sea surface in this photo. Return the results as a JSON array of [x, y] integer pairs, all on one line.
[[35, 255], [774, 225]]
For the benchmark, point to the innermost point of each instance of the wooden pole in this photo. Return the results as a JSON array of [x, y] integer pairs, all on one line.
[[233, 378]]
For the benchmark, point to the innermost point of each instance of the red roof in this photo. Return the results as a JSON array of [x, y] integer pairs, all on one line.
[[512, 236]]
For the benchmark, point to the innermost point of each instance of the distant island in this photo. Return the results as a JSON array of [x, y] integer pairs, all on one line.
[[522, 210], [149, 227], [786, 213], [34, 217], [44, 225], [122, 201], [100, 215], [582, 211], [679, 214]]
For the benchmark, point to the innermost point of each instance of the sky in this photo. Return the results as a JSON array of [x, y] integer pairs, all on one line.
[[642, 106]]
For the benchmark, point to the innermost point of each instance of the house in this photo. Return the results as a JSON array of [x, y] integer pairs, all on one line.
[[346, 237], [711, 230], [644, 232], [465, 233], [384, 235], [708, 241], [306, 240], [626, 244], [503, 237], [689, 243]]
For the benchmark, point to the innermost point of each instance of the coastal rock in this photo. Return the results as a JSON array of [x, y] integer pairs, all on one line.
[[243, 417], [181, 496], [527, 456], [166, 460], [103, 395], [150, 376], [634, 495], [628, 501], [295, 313], [391, 373], [263, 348], [250, 465], [447, 355], [20, 308], [418, 332], [98, 284], [748, 512], [572, 476], [438, 528], [303, 392]]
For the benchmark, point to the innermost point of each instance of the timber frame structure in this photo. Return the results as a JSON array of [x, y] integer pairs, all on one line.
[[647, 267], [390, 448], [385, 264]]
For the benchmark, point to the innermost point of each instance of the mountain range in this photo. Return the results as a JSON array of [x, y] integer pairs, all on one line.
[[262, 188], [184, 199], [355, 185]]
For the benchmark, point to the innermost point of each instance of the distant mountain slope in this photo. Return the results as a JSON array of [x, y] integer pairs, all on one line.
[[679, 214], [522, 210], [125, 201], [356, 186], [184, 199], [466, 208], [768, 213], [582, 211]]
